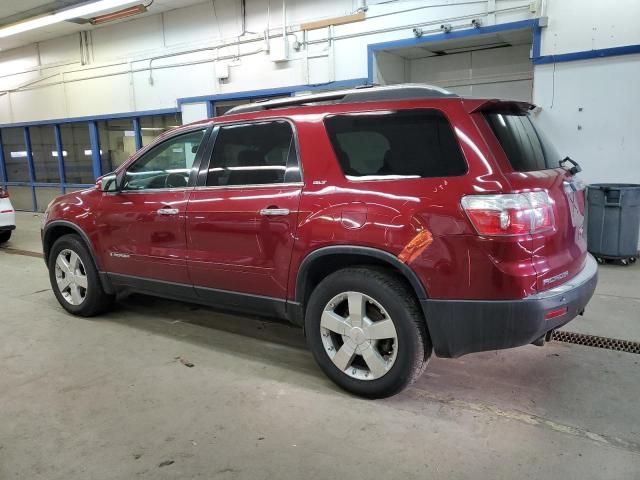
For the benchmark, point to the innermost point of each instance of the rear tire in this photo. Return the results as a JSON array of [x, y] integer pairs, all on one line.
[[5, 236], [74, 278], [366, 331]]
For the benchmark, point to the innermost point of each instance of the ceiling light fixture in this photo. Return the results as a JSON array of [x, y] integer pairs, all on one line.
[[61, 16], [124, 13]]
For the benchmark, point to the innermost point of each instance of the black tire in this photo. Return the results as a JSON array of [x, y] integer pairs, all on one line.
[[96, 301], [5, 236], [394, 295]]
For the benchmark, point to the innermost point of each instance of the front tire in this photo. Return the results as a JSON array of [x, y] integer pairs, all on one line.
[[366, 331], [74, 278], [5, 236]]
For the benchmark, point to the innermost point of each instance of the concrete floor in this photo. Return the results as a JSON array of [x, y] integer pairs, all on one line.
[[108, 398]]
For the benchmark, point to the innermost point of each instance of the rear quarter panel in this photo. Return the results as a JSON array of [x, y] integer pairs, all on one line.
[[418, 220]]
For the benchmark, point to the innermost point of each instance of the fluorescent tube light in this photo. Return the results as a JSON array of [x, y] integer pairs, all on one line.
[[61, 16]]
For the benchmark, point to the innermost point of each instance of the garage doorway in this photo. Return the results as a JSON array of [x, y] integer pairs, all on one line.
[[486, 65]]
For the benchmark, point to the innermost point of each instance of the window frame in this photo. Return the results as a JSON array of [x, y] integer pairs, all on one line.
[[202, 148], [201, 183], [393, 178]]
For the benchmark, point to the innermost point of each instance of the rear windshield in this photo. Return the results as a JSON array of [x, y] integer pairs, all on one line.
[[406, 144], [525, 146]]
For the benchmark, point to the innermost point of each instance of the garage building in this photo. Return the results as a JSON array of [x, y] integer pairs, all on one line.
[[160, 388]]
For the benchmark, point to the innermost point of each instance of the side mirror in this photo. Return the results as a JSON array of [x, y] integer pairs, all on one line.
[[108, 183]]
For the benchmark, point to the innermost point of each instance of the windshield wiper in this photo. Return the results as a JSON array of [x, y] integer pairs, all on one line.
[[572, 170]]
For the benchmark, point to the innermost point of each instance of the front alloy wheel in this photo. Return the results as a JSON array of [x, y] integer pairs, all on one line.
[[74, 278], [71, 277]]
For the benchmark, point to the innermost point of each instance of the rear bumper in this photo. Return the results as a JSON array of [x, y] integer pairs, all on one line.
[[458, 327]]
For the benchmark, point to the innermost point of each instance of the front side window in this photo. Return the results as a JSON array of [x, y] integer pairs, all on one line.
[[166, 165], [526, 148], [403, 144], [254, 154]]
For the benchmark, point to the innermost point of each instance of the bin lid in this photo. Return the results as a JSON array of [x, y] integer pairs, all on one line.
[[613, 186]]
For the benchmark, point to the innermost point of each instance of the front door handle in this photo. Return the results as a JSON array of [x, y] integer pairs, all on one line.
[[168, 211], [274, 212]]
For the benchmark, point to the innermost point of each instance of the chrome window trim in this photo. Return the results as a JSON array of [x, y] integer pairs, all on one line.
[[256, 185]]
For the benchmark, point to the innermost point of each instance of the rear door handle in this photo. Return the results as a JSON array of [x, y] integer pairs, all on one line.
[[274, 212], [168, 211]]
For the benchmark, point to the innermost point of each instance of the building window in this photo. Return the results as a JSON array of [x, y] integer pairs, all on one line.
[[117, 143], [76, 142], [152, 126], [15, 155], [45, 154]]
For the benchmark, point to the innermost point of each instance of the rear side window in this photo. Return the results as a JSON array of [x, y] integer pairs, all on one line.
[[407, 144], [525, 147], [254, 154]]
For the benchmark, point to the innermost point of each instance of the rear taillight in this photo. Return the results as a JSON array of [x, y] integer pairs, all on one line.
[[4, 193], [510, 213]]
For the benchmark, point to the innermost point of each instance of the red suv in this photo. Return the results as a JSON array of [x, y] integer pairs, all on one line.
[[389, 222]]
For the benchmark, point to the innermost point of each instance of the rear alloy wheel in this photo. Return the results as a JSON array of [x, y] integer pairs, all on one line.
[[366, 330], [359, 336], [74, 278]]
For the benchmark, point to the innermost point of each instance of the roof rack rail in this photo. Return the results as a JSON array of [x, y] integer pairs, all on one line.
[[364, 93]]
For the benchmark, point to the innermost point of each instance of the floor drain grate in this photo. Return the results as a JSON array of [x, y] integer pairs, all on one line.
[[598, 342]]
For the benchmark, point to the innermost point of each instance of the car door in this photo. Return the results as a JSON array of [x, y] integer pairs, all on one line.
[[143, 223], [241, 218]]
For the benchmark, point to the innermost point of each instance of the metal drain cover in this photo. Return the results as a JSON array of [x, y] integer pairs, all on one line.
[[597, 342]]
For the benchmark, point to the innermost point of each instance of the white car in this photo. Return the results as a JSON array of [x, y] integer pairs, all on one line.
[[7, 216]]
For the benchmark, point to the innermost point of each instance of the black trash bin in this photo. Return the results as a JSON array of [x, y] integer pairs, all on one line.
[[613, 221]]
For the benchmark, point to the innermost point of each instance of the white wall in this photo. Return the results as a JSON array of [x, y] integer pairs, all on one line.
[[117, 79], [48, 81], [603, 136], [579, 25], [591, 111]]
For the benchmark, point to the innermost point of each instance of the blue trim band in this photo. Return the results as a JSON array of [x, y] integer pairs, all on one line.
[[586, 55], [137, 133], [533, 24], [273, 92], [47, 185], [31, 168], [60, 150], [3, 167], [94, 138], [111, 116]]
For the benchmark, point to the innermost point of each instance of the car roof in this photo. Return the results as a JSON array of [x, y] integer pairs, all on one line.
[[349, 97], [364, 93]]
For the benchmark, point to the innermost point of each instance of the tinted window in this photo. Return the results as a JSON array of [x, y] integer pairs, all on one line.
[[166, 165], [254, 154], [411, 143], [525, 147]]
